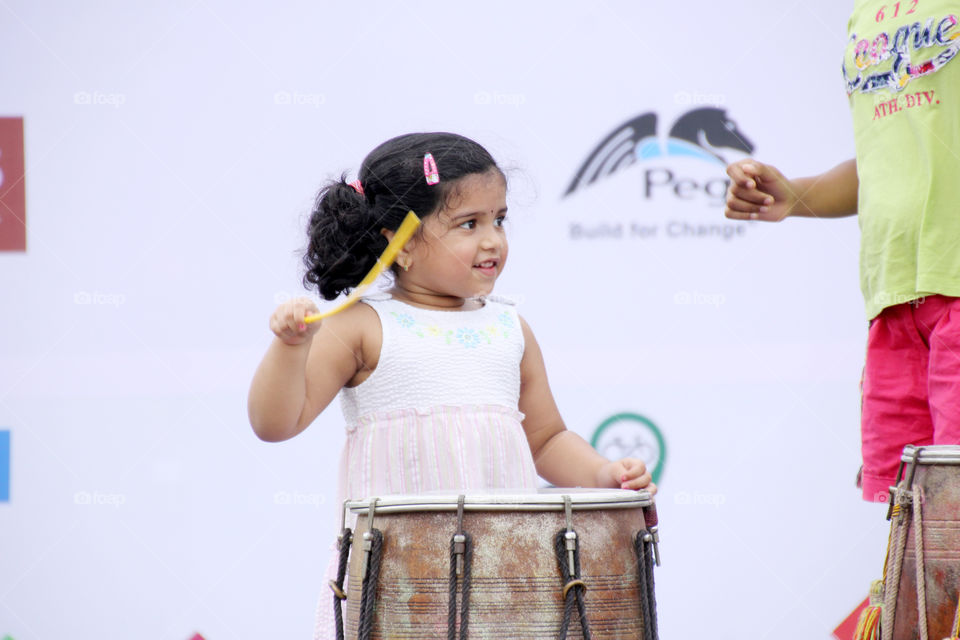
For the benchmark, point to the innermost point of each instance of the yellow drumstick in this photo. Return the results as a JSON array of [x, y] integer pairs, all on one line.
[[403, 233]]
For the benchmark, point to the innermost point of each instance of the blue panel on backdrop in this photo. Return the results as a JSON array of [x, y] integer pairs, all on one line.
[[4, 466]]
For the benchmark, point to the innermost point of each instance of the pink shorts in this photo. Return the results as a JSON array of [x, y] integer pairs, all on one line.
[[911, 386]]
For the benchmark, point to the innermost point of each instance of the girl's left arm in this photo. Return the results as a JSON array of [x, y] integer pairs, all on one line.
[[562, 457]]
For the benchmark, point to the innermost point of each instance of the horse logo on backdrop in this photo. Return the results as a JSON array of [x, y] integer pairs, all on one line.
[[632, 435], [705, 133]]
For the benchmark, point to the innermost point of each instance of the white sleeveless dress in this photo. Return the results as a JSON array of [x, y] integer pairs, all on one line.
[[439, 412]]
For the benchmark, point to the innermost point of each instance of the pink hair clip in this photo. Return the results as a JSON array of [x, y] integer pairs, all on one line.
[[357, 186], [430, 169]]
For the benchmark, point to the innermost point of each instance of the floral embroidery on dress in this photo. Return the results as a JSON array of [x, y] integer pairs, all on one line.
[[467, 337], [405, 320]]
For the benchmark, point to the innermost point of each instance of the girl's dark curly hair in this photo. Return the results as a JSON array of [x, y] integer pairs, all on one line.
[[344, 239]]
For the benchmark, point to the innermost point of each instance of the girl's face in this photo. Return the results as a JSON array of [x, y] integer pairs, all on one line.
[[462, 248]]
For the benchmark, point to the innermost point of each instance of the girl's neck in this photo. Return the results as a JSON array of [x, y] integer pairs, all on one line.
[[428, 300]]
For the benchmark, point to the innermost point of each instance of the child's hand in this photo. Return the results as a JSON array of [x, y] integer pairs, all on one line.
[[626, 473], [758, 192], [287, 321]]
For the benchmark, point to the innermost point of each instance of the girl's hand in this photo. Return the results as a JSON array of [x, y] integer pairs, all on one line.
[[758, 192], [287, 321], [626, 473]]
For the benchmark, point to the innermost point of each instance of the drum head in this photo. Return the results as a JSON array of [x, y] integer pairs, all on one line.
[[542, 500], [931, 454]]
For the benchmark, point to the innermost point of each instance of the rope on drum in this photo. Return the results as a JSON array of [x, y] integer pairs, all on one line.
[[344, 540], [643, 545], [461, 559], [567, 546], [372, 547]]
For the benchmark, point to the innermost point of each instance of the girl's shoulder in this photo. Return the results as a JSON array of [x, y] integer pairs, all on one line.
[[358, 329], [506, 307], [357, 319]]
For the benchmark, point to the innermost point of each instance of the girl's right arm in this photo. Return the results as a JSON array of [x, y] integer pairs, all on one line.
[[303, 369], [760, 192]]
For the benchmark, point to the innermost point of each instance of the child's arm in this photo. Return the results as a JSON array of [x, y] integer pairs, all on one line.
[[562, 457], [760, 192], [304, 368]]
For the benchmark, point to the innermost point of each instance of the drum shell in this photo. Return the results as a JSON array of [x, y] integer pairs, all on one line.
[[516, 581], [940, 483]]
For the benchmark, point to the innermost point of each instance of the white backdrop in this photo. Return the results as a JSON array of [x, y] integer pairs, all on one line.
[[173, 150]]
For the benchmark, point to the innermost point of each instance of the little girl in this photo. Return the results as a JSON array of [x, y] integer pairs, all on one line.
[[442, 388]]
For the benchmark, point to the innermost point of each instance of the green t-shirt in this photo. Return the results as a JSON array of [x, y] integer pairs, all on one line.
[[903, 79]]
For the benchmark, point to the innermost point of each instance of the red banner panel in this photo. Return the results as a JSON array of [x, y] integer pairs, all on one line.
[[13, 191], [847, 628]]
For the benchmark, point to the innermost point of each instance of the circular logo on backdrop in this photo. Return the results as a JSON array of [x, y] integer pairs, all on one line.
[[632, 435]]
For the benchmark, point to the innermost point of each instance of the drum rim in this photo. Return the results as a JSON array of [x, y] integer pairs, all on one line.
[[540, 500], [931, 454]]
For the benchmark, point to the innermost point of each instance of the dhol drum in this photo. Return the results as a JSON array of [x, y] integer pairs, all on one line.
[[550, 564], [921, 584]]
